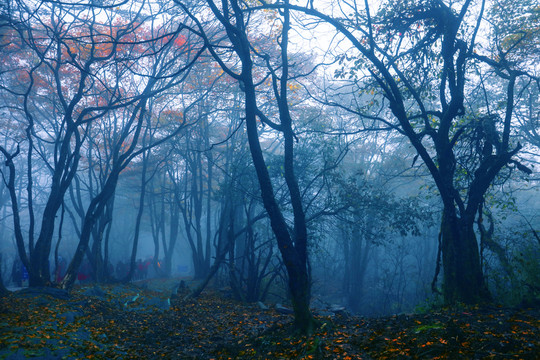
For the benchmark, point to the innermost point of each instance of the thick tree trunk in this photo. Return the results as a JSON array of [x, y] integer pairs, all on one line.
[[3, 290], [358, 256], [463, 277], [300, 288]]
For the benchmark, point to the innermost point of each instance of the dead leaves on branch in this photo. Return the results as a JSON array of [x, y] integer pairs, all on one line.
[[126, 322]]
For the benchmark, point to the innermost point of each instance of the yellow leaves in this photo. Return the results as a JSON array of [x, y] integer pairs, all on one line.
[[192, 330], [293, 86]]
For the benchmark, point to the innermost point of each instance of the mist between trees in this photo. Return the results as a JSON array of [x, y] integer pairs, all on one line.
[[390, 166]]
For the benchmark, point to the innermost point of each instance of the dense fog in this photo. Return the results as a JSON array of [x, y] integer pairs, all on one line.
[[391, 167]]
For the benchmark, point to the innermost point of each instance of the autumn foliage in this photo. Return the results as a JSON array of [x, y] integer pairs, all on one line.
[[215, 327]]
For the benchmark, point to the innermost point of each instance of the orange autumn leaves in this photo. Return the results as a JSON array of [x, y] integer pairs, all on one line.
[[214, 327]]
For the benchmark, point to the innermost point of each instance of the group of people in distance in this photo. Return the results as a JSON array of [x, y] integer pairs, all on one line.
[[140, 272], [19, 273]]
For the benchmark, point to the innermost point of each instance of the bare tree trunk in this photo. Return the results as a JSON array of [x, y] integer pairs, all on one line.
[[292, 245], [135, 246], [463, 280], [95, 209], [221, 252], [173, 237], [3, 290], [109, 210]]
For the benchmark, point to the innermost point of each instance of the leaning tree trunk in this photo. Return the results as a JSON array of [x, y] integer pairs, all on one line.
[[294, 253], [94, 211], [292, 245], [463, 277]]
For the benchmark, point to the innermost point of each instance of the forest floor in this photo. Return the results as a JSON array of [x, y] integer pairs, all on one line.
[[139, 322]]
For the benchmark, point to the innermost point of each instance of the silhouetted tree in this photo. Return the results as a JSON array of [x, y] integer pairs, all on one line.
[[418, 58]]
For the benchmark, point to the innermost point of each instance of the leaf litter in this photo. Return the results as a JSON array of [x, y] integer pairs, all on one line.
[[142, 322]]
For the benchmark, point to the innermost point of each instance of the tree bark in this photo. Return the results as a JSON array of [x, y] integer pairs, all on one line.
[[293, 253], [463, 279], [135, 246], [3, 290], [292, 244], [95, 209]]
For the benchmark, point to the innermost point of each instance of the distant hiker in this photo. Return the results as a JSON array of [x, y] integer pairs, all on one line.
[[146, 265], [24, 276], [84, 272]]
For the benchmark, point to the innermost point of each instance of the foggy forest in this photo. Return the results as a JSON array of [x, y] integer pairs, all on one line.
[[252, 179]]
